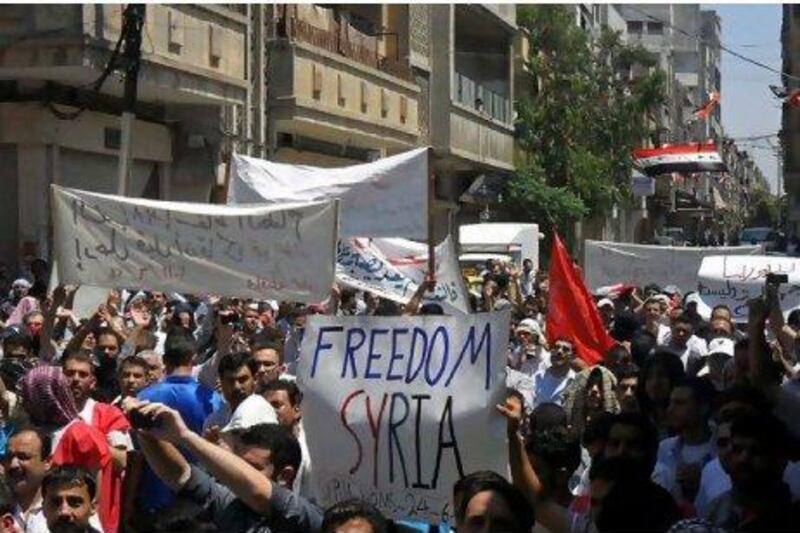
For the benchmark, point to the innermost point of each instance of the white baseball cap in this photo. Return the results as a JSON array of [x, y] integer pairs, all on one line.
[[251, 412], [604, 302], [721, 345]]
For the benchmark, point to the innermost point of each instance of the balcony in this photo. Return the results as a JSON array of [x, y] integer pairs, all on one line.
[[469, 93], [191, 53], [341, 39], [335, 84]]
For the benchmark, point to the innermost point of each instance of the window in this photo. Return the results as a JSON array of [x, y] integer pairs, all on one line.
[[364, 97], [316, 81], [635, 26], [340, 91], [655, 28]]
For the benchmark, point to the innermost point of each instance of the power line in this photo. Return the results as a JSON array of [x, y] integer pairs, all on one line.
[[715, 45]]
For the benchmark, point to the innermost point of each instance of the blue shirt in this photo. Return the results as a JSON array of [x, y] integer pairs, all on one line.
[[194, 401]]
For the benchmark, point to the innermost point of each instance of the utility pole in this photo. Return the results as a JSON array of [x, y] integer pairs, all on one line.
[[133, 21]]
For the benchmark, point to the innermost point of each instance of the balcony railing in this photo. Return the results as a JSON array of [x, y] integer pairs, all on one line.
[[472, 94], [336, 41]]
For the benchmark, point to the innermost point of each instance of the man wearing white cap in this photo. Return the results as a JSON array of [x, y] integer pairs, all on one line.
[[720, 351], [606, 308], [531, 354]]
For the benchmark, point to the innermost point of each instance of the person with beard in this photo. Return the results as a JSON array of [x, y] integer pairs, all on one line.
[[237, 375], [109, 420], [759, 499], [69, 500]]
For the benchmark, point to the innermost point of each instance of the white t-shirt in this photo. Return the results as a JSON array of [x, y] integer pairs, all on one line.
[[673, 453]]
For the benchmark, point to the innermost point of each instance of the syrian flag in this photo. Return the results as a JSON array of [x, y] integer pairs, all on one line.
[[702, 112], [683, 158]]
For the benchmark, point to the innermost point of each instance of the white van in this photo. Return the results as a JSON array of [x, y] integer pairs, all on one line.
[[518, 240]]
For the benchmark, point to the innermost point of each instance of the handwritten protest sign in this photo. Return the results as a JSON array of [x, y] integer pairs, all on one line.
[[394, 269], [609, 263], [250, 252], [384, 198], [734, 279], [398, 409]]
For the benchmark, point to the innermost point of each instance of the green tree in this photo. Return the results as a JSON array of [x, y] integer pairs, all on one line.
[[579, 126]]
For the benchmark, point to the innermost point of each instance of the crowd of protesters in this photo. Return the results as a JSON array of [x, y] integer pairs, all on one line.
[[173, 412]]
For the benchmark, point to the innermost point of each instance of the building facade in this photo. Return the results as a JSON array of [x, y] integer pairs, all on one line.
[[61, 99]]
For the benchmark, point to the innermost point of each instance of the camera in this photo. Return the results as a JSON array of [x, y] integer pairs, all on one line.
[[142, 421], [777, 279]]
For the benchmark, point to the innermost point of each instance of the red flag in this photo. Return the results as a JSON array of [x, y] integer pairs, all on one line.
[[571, 311]]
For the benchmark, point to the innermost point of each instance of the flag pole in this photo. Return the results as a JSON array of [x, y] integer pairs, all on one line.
[[431, 196]]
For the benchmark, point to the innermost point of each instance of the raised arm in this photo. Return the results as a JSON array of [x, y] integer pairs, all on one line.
[[47, 351], [249, 485], [549, 514]]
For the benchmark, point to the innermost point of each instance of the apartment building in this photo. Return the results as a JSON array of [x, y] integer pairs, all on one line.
[[59, 124]]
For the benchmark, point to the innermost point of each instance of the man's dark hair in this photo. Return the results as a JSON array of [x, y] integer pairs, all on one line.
[[546, 416], [649, 436], [45, 439], [742, 344], [764, 428], [626, 372], [597, 428], [108, 331], [180, 348], [626, 324], [745, 394], [15, 338], [682, 318], [702, 390], [667, 362], [556, 447], [467, 487], [282, 444], [343, 511], [642, 345], [133, 360], [268, 341], [290, 387], [81, 355], [431, 309], [231, 362], [68, 475], [794, 318]]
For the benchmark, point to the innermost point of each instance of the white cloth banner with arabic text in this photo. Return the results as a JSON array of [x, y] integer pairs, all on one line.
[[732, 280], [284, 253], [394, 268]]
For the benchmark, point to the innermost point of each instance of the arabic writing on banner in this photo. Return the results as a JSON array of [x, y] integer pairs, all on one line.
[[251, 252], [394, 269], [609, 263], [398, 409], [733, 280]]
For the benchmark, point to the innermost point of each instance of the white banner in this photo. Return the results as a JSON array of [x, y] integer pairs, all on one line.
[[396, 410], [394, 269], [271, 252], [609, 263], [385, 198], [734, 279]]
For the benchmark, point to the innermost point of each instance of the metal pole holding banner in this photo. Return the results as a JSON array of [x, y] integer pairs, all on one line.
[[431, 198], [133, 21]]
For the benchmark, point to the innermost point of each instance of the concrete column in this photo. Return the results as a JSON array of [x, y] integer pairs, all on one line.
[[33, 175]]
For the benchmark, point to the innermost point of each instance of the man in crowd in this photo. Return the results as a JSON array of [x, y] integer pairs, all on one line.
[[551, 384], [268, 356], [485, 501], [25, 464], [681, 458], [133, 377], [237, 373], [68, 494], [685, 344], [653, 320], [179, 390], [285, 397], [251, 485]]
